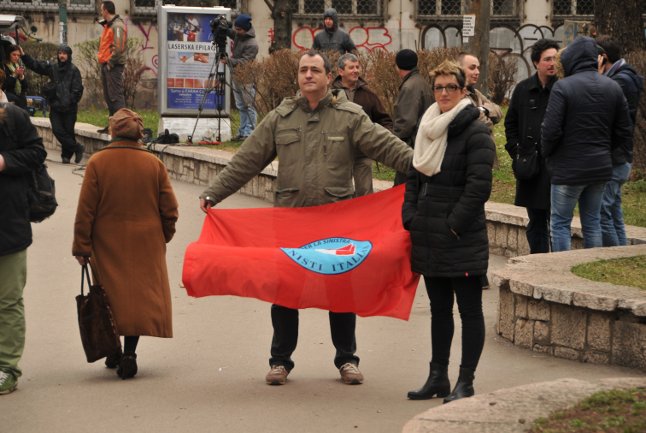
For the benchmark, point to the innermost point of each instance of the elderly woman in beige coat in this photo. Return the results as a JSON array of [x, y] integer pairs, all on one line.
[[126, 214]]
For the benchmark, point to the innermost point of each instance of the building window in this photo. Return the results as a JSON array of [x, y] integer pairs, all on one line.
[[503, 7], [20, 6], [573, 7], [343, 7]]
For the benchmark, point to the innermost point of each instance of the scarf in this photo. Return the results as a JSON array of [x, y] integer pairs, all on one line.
[[12, 68], [432, 136]]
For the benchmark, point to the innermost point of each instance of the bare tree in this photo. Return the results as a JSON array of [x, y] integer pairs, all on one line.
[[281, 12], [622, 20]]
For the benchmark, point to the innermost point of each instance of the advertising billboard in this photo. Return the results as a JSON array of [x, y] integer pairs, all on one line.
[[191, 77]]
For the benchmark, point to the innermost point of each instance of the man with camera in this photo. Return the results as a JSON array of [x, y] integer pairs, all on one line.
[[245, 49]]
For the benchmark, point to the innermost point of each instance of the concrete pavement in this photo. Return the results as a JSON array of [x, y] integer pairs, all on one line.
[[210, 377]]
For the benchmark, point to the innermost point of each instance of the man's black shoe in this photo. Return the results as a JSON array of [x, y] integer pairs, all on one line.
[[65, 160], [78, 155], [103, 130]]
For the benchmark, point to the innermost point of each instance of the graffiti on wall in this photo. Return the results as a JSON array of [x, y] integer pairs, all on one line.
[[365, 38]]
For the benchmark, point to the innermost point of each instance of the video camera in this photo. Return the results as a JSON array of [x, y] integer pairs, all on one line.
[[219, 28]]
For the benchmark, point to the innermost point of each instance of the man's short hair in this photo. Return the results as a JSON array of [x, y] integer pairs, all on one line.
[[462, 55], [326, 61], [109, 7], [610, 46], [343, 59], [540, 46]]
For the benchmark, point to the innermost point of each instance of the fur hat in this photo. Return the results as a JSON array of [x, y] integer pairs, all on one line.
[[406, 59], [243, 22]]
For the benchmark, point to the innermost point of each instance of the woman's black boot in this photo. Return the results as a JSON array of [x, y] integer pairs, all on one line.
[[127, 366], [436, 384], [464, 387]]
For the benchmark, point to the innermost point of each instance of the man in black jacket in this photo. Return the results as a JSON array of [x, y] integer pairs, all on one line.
[[63, 99], [21, 151], [613, 66], [586, 121], [523, 131]]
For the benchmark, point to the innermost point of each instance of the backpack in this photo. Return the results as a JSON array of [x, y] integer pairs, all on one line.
[[41, 194], [41, 191]]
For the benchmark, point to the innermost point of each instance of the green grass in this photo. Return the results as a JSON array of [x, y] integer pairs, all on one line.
[[614, 411], [504, 184], [628, 271]]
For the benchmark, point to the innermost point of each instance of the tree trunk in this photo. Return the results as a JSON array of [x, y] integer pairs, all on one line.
[[622, 20], [281, 12]]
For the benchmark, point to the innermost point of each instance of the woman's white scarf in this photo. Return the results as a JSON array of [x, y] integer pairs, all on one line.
[[432, 135]]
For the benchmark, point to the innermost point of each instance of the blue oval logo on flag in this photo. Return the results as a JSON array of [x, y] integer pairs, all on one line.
[[330, 256]]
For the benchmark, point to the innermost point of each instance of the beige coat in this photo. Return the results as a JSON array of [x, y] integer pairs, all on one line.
[[126, 214]]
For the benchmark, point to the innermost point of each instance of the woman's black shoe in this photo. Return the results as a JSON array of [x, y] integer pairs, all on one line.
[[128, 366], [112, 361], [464, 387], [436, 384]]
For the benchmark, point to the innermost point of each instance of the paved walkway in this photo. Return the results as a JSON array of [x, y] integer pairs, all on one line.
[[210, 377]]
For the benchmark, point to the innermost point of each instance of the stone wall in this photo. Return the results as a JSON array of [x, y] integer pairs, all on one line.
[[545, 308]]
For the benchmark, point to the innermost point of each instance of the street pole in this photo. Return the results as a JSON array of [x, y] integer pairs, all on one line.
[[62, 19]]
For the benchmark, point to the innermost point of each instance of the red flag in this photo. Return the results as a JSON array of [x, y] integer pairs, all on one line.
[[350, 256]]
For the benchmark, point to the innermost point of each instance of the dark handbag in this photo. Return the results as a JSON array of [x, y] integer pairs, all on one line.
[[42, 195], [526, 165], [99, 333]]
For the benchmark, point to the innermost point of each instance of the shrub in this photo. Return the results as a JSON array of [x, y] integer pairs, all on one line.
[[501, 77], [40, 51]]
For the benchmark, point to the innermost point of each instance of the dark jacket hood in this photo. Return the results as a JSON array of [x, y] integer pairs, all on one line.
[[580, 55], [331, 13], [66, 49]]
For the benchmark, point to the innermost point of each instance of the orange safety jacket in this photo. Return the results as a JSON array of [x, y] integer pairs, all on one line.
[[112, 45]]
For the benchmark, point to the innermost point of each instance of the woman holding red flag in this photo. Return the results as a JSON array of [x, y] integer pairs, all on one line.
[[444, 211]]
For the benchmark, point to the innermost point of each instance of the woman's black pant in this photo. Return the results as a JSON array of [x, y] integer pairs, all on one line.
[[468, 292]]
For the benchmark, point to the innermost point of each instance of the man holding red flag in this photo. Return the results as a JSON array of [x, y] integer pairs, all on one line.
[[314, 135]]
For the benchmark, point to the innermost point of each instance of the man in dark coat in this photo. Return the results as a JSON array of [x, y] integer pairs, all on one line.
[[587, 119], [523, 131], [21, 151], [332, 37], [357, 91], [63, 100], [612, 65], [415, 96]]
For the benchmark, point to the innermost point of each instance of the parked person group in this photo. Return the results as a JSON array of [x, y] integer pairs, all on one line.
[[63, 99]]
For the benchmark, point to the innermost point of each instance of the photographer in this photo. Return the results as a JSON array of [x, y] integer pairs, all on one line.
[[245, 49]]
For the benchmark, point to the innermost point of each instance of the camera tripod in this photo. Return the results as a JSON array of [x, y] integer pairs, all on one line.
[[216, 83]]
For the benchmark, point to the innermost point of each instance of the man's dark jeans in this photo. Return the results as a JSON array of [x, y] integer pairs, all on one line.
[[283, 344], [538, 230], [63, 129], [112, 79]]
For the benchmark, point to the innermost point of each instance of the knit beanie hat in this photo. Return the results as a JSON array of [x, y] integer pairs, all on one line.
[[243, 22], [406, 59], [126, 123]]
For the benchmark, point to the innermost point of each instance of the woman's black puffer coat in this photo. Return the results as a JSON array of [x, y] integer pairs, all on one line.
[[445, 212]]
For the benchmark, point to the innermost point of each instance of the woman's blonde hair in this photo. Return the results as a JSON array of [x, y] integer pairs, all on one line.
[[449, 67]]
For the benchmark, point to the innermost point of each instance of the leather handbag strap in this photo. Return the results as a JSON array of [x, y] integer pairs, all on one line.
[[85, 272]]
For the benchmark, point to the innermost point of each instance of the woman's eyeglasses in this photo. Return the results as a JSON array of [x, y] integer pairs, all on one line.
[[450, 88]]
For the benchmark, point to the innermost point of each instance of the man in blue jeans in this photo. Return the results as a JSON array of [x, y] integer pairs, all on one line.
[[245, 49], [613, 66], [586, 121]]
